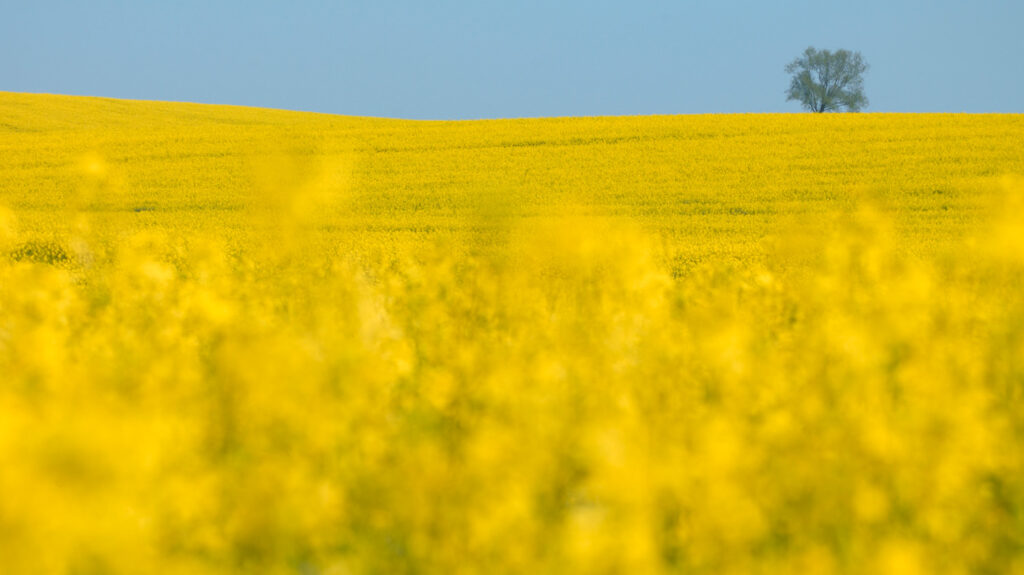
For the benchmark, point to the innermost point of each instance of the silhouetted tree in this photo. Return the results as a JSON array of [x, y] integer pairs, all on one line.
[[826, 81]]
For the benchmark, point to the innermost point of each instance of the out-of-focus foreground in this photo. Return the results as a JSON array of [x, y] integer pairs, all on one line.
[[239, 340]]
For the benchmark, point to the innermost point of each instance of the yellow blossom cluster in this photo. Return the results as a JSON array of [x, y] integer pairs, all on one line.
[[236, 340]]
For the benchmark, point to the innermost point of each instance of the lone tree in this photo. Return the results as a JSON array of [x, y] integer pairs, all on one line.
[[826, 81]]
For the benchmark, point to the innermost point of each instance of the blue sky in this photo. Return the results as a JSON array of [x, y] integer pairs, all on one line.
[[482, 59]]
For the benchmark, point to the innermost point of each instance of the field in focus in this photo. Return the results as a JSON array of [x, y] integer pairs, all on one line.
[[239, 340]]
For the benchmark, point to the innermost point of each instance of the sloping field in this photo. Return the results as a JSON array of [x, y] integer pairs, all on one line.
[[241, 340]]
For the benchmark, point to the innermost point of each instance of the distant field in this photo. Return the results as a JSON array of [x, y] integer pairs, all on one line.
[[246, 340]]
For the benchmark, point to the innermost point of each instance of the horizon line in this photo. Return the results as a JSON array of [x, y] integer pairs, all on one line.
[[496, 118]]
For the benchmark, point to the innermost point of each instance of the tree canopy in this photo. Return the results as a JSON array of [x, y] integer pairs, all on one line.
[[825, 81]]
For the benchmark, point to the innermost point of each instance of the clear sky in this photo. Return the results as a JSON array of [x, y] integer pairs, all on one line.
[[450, 59]]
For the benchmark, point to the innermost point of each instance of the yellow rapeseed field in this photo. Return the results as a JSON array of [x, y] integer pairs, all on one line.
[[236, 340]]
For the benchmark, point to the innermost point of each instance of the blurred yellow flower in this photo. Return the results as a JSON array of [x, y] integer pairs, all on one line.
[[251, 341]]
